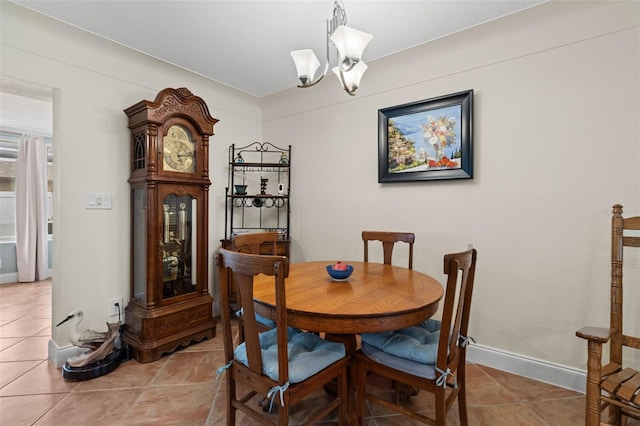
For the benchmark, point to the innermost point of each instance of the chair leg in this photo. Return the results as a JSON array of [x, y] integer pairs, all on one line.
[[283, 414], [462, 405], [360, 376], [441, 409], [231, 393], [462, 392], [616, 415], [594, 365], [396, 391], [346, 395]]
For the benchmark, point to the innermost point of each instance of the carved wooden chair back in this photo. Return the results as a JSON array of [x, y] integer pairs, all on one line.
[[388, 240], [614, 385], [448, 379], [253, 242], [247, 370]]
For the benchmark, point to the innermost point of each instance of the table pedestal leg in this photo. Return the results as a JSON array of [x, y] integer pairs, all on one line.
[[349, 341]]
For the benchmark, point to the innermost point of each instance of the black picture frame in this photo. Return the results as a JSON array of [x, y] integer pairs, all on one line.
[[431, 139]]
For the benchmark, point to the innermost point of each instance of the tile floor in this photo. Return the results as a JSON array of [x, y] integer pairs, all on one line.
[[181, 388]]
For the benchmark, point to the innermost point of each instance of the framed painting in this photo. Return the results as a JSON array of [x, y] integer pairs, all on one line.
[[430, 139]]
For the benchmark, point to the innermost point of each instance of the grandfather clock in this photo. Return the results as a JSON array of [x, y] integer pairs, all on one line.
[[170, 303]]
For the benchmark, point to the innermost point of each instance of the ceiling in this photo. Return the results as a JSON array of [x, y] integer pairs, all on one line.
[[246, 44]]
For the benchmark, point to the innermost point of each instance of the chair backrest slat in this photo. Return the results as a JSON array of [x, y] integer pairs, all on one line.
[[631, 241], [388, 240], [631, 222]]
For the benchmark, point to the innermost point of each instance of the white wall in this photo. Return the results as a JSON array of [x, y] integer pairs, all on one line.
[[557, 143], [94, 81]]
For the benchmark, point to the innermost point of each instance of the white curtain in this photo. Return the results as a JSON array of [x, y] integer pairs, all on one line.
[[31, 210]]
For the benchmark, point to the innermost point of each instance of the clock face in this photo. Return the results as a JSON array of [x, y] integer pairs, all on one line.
[[178, 151]]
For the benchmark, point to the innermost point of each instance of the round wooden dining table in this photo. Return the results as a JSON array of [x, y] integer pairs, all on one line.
[[376, 297]]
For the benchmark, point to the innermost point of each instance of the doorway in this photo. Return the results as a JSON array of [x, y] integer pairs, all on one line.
[[24, 110]]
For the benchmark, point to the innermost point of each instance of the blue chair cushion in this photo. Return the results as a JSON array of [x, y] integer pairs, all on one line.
[[265, 321], [428, 371], [308, 354], [260, 318], [418, 343]]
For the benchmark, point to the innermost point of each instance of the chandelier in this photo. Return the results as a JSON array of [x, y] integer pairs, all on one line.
[[349, 44]]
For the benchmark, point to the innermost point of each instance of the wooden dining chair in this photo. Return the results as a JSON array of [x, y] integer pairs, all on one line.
[[284, 363], [388, 240], [423, 356], [614, 385], [254, 243]]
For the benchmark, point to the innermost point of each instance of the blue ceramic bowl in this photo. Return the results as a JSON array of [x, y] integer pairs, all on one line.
[[339, 275]]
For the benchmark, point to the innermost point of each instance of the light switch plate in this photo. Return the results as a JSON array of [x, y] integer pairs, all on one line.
[[98, 200]]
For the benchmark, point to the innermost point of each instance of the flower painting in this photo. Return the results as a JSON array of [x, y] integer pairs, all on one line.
[[420, 139], [425, 140]]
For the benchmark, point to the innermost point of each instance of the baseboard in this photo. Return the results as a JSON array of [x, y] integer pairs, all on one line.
[[10, 277], [544, 371], [58, 356], [216, 309]]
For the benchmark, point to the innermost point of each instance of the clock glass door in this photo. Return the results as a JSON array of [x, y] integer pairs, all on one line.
[[139, 227], [178, 245]]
